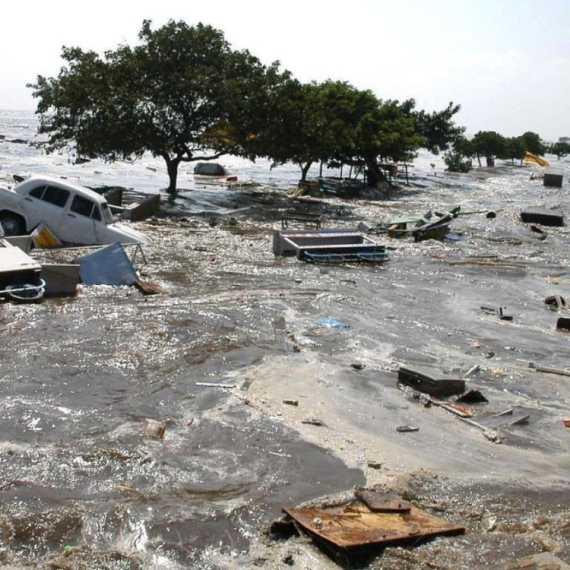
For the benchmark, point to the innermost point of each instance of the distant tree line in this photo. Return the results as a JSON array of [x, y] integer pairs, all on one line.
[[183, 94], [491, 145]]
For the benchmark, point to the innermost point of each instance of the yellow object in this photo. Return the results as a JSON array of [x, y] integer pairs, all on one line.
[[43, 237], [529, 157]]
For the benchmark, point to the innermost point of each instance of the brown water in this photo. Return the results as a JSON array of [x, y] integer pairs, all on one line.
[[79, 376]]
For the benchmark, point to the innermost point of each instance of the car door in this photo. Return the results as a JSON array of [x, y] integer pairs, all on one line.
[[78, 224], [46, 205]]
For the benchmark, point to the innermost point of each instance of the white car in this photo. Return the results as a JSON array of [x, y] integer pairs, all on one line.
[[74, 214]]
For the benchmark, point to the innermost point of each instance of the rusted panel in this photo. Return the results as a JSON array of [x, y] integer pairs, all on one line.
[[354, 526]]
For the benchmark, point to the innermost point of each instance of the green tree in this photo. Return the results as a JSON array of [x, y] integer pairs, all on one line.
[[515, 148], [534, 143], [382, 131], [489, 144], [182, 94], [457, 163], [560, 149], [458, 157], [438, 128], [307, 123]]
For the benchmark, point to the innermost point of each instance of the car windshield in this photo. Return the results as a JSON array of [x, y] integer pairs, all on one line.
[[107, 214]]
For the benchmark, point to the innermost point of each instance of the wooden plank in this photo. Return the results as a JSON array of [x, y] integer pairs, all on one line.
[[354, 526]]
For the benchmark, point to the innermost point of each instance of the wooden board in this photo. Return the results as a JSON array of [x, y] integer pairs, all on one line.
[[355, 527]]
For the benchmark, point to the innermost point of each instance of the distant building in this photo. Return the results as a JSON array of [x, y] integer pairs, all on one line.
[[564, 140]]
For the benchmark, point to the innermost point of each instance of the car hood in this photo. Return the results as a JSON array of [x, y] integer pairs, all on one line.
[[128, 234]]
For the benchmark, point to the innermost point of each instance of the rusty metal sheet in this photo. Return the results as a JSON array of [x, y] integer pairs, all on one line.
[[354, 526], [383, 502]]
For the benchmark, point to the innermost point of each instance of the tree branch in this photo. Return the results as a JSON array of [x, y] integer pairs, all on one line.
[[206, 157]]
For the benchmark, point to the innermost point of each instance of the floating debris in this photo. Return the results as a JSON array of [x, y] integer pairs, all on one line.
[[430, 381], [407, 429], [356, 527]]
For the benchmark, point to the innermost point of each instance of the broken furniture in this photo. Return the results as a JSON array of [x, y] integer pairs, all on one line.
[[430, 381], [328, 246], [301, 217], [434, 225], [543, 217], [369, 520]]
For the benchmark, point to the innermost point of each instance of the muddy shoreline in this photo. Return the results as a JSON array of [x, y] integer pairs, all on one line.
[[79, 375]]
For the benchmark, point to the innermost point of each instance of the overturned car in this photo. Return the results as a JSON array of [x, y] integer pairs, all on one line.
[[74, 214]]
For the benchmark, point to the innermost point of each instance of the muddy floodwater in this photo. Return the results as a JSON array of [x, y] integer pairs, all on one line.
[[84, 483]]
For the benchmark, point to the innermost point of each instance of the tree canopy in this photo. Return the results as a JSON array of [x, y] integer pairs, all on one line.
[[560, 149], [182, 94], [514, 148], [489, 144], [534, 143]]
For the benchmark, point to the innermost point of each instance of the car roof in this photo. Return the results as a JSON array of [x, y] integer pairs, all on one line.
[[36, 181]]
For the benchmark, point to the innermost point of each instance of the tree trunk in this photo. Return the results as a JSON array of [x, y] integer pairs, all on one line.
[[172, 167], [479, 159], [305, 171], [374, 174]]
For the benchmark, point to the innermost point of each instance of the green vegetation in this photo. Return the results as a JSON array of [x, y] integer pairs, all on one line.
[[534, 144], [491, 145], [180, 93], [488, 144], [515, 148], [183, 94], [458, 159], [455, 162], [560, 149]]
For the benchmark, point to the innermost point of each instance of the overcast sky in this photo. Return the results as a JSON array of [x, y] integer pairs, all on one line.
[[506, 62]]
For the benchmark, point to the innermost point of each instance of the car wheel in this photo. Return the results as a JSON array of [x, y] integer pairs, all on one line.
[[12, 225]]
